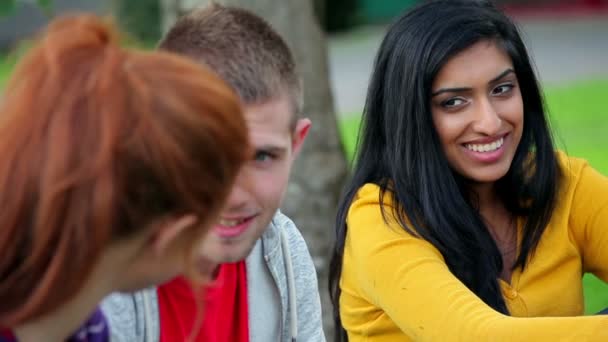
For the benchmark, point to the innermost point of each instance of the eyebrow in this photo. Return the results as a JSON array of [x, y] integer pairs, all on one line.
[[459, 90], [271, 149]]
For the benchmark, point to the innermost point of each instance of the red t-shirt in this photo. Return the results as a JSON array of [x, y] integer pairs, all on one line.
[[224, 306]]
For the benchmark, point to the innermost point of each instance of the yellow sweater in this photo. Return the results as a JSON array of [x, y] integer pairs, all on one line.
[[396, 287]]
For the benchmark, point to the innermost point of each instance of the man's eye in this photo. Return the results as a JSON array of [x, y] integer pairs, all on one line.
[[263, 156]]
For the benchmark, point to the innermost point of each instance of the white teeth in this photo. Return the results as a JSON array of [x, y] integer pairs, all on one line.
[[230, 223], [486, 147]]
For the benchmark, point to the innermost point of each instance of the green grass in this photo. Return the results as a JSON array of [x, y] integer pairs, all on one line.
[[579, 118], [581, 124], [7, 62]]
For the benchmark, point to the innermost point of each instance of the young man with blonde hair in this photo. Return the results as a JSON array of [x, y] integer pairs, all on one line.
[[266, 286]]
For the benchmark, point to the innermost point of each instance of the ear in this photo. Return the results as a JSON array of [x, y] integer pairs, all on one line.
[[299, 135], [170, 231]]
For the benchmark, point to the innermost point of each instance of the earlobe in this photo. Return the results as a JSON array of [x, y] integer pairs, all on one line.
[[170, 230], [299, 135]]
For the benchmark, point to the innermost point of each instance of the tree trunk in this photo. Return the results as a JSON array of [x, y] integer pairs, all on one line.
[[321, 169]]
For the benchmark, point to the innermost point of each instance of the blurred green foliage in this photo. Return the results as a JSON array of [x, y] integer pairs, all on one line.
[[8, 6], [141, 18]]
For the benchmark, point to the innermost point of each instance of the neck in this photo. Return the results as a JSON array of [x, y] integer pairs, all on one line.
[[485, 196], [496, 216], [490, 206], [59, 324]]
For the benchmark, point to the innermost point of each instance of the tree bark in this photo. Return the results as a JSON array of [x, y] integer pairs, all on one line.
[[321, 169]]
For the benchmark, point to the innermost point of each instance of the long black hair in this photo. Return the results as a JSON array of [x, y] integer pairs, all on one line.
[[400, 151]]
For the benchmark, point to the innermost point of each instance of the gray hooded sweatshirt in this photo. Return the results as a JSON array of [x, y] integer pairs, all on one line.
[[282, 292]]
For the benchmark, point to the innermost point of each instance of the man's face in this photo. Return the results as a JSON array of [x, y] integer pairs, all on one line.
[[261, 183]]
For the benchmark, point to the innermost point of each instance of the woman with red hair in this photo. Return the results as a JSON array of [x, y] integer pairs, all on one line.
[[114, 164]]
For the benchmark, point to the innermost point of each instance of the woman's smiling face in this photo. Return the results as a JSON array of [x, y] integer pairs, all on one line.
[[478, 111]]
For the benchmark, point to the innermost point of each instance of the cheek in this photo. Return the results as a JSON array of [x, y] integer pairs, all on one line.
[[448, 128], [271, 185], [513, 110], [439, 123]]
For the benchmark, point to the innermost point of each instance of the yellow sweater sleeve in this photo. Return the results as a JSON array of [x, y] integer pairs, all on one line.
[[409, 281], [589, 215]]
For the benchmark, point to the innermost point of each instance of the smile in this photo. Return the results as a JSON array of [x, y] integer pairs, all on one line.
[[231, 223], [493, 146], [232, 228]]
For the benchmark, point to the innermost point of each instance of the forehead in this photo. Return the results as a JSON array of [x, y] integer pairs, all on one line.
[[478, 63], [269, 122]]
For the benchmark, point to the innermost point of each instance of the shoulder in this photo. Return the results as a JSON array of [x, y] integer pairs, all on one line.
[[571, 167], [128, 314], [281, 221], [579, 178], [367, 195], [283, 226], [296, 254], [119, 306], [120, 310], [368, 210], [373, 229], [583, 190]]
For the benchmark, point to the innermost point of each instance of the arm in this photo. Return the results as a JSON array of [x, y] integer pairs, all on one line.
[[408, 279], [310, 323], [589, 220]]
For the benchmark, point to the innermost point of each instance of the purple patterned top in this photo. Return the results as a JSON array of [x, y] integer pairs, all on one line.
[[95, 329]]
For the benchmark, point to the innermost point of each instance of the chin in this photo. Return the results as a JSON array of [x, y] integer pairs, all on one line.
[[232, 254], [232, 258], [488, 177], [488, 174]]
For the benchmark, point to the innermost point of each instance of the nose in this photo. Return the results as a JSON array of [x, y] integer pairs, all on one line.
[[487, 118], [240, 192]]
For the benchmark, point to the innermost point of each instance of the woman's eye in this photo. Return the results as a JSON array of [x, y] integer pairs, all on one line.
[[502, 89], [453, 102]]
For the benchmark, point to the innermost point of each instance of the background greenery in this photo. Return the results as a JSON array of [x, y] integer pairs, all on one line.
[[141, 18]]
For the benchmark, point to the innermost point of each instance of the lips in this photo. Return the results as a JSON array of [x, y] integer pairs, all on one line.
[[489, 150], [233, 227], [489, 147], [231, 223]]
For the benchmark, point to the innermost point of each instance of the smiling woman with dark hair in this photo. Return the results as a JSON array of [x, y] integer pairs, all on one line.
[[461, 215]]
